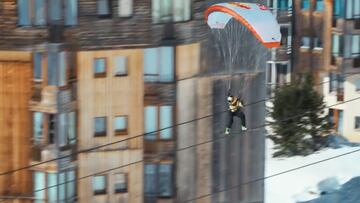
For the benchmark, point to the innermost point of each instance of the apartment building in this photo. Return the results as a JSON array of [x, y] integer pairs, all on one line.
[[344, 66], [104, 71]]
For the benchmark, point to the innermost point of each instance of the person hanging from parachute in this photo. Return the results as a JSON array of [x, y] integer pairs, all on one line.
[[259, 21], [236, 106]]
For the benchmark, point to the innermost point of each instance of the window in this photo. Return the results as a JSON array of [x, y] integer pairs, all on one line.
[[165, 180], [121, 66], [31, 12], [120, 125], [37, 127], [71, 127], [355, 48], [62, 129], [120, 182], [319, 5], [51, 183], [305, 42], [150, 179], [53, 61], [100, 126], [305, 4], [51, 130], [55, 10], [99, 184], [99, 67], [156, 118], [338, 8], [352, 9], [158, 179], [40, 12], [170, 10], [318, 43], [150, 122], [333, 83], [62, 69], [24, 17], [337, 45], [281, 73], [71, 12], [62, 188], [125, 8], [39, 185], [103, 8], [357, 122], [284, 35], [357, 85], [37, 65], [283, 4], [159, 64], [331, 118], [70, 185]]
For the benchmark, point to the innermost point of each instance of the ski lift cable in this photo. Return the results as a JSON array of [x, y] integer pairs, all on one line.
[[143, 134], [206, 142]]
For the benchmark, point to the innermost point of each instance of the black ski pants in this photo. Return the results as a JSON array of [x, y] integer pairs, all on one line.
[[230, 118]]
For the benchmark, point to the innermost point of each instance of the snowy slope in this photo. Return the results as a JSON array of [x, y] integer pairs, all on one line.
[[303, 184]]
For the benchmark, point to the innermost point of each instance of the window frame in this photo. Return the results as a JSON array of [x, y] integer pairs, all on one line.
[[119, 11], [303, 3], [302, 46], [103, 133], [126, 64], [100, 74], [158, 66], [157, 179], [157, 132], [103, 191], [317, 41], [109, 7], [158, 19], [122, 131], [126, 183], [321, 2], [357, 123]]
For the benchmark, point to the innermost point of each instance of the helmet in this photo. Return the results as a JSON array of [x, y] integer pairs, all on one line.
[[230, 98]]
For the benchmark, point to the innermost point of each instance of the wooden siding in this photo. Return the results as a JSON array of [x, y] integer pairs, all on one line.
[[95, 33], [15, 123]]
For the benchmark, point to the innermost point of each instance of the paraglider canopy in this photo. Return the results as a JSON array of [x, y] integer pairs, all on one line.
[[257, 18]]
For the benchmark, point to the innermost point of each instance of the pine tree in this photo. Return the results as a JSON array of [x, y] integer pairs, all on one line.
[[299, 123]]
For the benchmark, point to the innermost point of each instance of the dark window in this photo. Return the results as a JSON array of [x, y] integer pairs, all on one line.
[[317, 43], [331, 118], [333, 83], [100, 126], [165, 180], [99, 184], [284, 35], [51, 130], [150, 179], [357, 122], [337, 45], [281, 73], [158, 179]]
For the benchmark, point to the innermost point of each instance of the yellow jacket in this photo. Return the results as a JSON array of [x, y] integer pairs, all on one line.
[[235, 105]]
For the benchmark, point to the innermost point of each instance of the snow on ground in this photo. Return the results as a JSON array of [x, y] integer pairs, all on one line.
[[303, 184]]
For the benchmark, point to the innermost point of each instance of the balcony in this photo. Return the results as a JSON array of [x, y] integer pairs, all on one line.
[[283, 53], [350, 64], [44, 153], [45, 99], [346, 26], [165, 92]]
